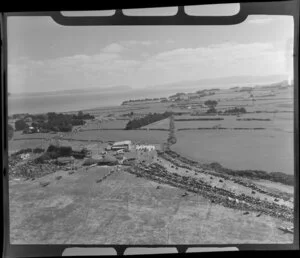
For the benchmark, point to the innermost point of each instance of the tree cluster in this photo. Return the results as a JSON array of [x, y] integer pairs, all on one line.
[[56, 122], [20, 125], [54, 152], [141, 100], [235, 110], [211, 104]]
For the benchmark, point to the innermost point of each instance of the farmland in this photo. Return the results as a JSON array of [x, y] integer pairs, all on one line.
[[159, 199], [127, 210], [239, 149]]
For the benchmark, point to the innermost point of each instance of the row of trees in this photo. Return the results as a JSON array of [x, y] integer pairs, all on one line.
[[235, 110], [148, 119], [140, 100]]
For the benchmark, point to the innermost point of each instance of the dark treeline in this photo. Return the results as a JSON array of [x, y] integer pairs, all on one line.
[[54, 152], [141, 100], [51, 121], [235, 110], [146, 120]]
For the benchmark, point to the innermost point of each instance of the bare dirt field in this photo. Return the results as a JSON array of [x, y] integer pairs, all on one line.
[[125, 209]]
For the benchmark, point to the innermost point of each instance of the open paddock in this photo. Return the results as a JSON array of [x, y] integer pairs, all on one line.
[[271, 151], [278, 122], [120, 135], [125, 209]]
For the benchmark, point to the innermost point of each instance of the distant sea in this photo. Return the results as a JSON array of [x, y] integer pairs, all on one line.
[[35, 103], [64, 102]]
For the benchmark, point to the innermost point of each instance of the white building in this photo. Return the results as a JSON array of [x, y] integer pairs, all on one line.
[[25, 156], [145, 147], [124, 145]]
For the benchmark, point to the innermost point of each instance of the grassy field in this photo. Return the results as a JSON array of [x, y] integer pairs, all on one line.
[[262, 150], [280, 122], [114, 124], [124, 209], [24, 144], [120, 135], [162, 124]]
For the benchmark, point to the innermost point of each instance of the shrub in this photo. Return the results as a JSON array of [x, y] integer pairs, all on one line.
[[38, 150], [211, 110], [78, 155], [41, 159], [20, 125], [211, 103], [89, 162], [63, 151], [235, 110], [52, 148]]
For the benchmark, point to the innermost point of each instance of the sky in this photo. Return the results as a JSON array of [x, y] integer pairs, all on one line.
[[45, 56]]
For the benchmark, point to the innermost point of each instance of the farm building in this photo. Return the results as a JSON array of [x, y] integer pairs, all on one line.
[[124, 145]]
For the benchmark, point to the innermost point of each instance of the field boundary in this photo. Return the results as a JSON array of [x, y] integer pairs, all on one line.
[[220, 128]]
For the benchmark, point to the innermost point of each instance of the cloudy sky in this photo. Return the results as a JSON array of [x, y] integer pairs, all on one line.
[[45, 56]]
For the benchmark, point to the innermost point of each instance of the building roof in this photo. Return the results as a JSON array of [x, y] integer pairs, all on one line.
[[122, 143]]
